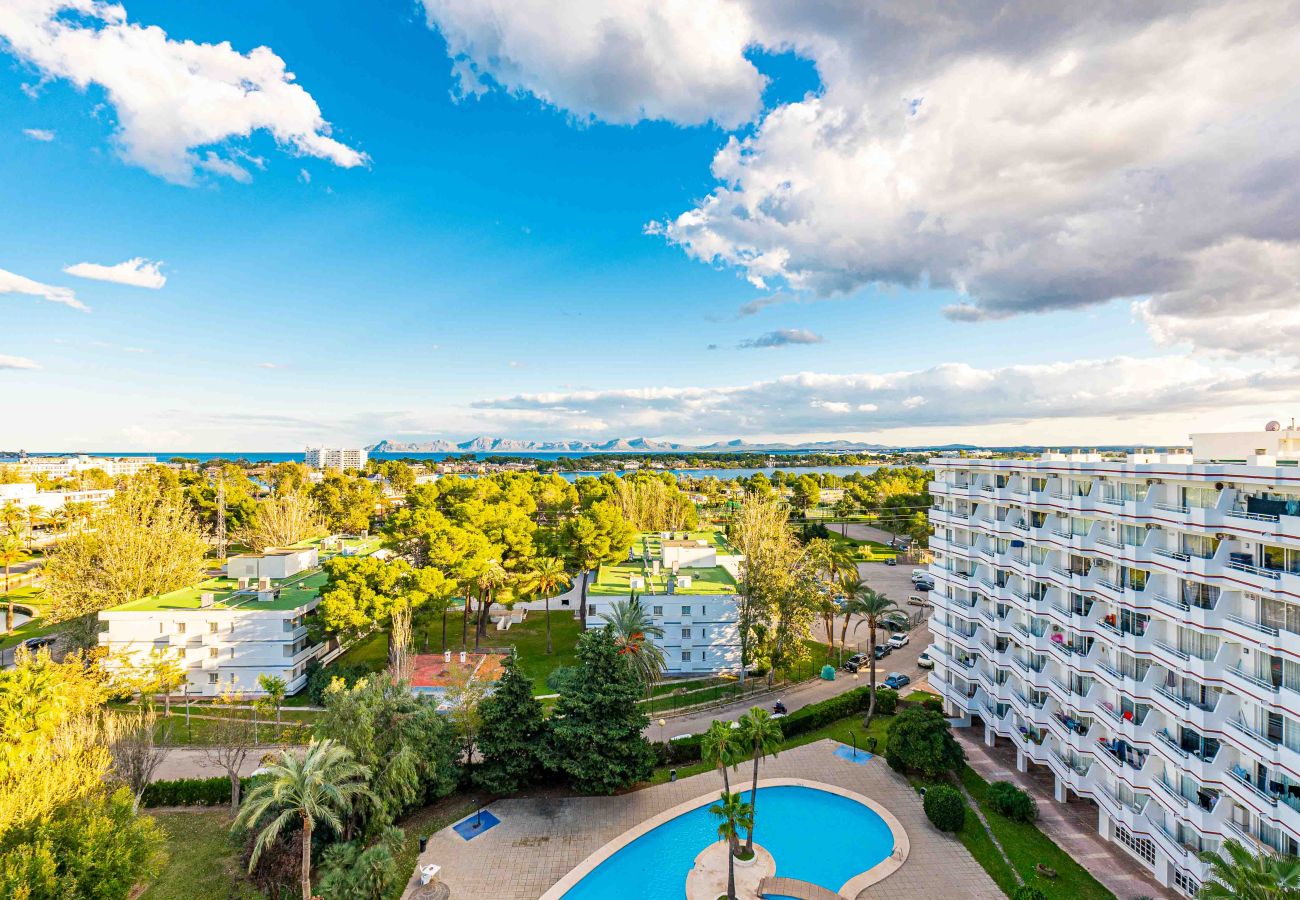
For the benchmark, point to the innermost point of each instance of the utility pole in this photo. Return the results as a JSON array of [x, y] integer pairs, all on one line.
[[221, 515]]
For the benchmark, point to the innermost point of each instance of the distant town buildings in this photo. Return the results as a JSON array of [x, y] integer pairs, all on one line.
[[68, 466], [1133, 625], [26, 494], [326, 458]]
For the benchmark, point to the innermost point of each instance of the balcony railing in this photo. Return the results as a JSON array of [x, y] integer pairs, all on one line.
[[1253, 626], [1172, 554], [1240, 725], [1255, 570], [1253, 517]]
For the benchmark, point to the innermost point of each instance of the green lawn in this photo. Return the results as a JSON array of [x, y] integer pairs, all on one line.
[[32, 598], [866, 551], [202, 860], [295, 727], [1026, 846], [529, 640]]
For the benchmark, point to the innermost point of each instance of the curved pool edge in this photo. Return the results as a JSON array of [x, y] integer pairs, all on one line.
[[879, 872]]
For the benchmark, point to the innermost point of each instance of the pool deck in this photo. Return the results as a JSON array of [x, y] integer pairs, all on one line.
[[540, 840]]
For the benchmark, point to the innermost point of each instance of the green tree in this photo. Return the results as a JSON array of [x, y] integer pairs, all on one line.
[[945, 808], [599, 533], [733, 815], [1236, 872], [280, 520], [274, 687], [546, 579], [352, 871], [512, 733], [720, 747], [633, 631], [146, 541], [346, 502], [761, 735], [317, 789], [596, 731], [11, 554], [806, 493], [921, 740], [873, 609], [409, 748]]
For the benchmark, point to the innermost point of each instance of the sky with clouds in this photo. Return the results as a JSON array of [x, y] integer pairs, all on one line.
[[236, 227]]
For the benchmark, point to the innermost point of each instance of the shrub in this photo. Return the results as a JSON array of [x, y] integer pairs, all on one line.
[[191, 792], [920, 739], [561, 678], [319, 678], [934, 703], [1010, 801], [1028, 892], [945, 808], [886, 702]]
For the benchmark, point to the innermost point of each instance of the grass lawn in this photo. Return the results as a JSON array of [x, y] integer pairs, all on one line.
[[369, 653], [866, 551], [529, 640], [201, 731], [1026, 846], [202, 859]]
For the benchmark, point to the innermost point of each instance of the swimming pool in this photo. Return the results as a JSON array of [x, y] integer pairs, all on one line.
[[812, 834]]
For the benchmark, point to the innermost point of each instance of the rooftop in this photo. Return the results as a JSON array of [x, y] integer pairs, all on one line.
[[612, 580], [653, 542], [294, 592]]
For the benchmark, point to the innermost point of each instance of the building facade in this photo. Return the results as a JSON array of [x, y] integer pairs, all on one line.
[[325, 458], [25, 494], [687, 586], [67, 466], [1133, 624]]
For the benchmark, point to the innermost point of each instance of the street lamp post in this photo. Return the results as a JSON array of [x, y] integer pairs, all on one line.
[[662, 723]]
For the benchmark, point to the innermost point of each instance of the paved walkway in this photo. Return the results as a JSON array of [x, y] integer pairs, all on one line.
[[1072, 826], [541, 838]]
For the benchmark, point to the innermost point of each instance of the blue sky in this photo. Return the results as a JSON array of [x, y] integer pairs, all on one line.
[[487, 270]]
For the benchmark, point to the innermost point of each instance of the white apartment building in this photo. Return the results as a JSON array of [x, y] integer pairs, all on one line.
[[227, 631], [66, 466], [25, 494], [335, 458], [1134, 625], [687, 585]]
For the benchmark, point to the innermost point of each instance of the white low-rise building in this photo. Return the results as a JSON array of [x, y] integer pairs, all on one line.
[[68, 466], [687, 586], [227, 631], [25, 494], [325, 458], [1133, 624]]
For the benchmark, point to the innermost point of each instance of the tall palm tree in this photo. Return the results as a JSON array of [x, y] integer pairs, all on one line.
[[11, 519], [1235, 872], [493, 576], [875, 609], [546, 578], [733, 814], [850, 587], [11, 553], [35, 515], [316, 789], [633, 631], [79, 513], [762, 735], [720, 748]]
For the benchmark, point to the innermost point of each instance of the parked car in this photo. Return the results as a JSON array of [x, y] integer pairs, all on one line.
[[891, 561], [36, 643], [923, 586], [916, 600], [925, 661], [899, 639], [855, 662], [883, 650], [921, 574], [896, 680]]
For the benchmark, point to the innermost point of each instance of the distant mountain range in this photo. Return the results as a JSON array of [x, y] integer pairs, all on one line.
[[614, 445]]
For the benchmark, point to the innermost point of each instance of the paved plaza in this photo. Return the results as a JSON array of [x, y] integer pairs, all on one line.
[[540, 839]]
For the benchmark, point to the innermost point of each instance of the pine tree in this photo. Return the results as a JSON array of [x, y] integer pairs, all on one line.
[[511, 734], [597, 731]]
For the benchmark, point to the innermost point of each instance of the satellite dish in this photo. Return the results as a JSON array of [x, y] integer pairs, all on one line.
[[1273, 426]]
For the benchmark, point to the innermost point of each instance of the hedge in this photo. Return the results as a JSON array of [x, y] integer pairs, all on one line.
[[945, 808], [1012, 802], [192, 792], [801, 721]]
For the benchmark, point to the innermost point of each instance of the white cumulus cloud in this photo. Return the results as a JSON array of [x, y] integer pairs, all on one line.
[[137, 272], [172, 98], [39, 134], [16, 362], [11, 283]]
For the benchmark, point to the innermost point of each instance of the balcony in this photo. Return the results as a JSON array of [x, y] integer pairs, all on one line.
[[1264, 634]]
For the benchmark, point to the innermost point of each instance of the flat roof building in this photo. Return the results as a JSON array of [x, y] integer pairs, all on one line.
[[335, 458]]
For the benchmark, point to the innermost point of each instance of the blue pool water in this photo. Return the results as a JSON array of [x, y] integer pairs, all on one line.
[[813, 836]]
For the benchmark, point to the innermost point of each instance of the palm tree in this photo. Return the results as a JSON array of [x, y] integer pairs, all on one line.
[[851, 586], [632, 631], [11, 553], [11, 519], [874, 608], [762, 734], [1235, 872], [317, 788], [546, 578], [732, 814], [493, 576], [35, 515], [719, 748], [79, 513]]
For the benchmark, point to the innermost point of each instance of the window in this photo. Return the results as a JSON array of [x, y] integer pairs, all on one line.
[[686, 610], [180, 627], [658, 610], [288, 624], [1143, 848], [212, 678], [213, 652], [686, 656], [212, 628], [686, 632]]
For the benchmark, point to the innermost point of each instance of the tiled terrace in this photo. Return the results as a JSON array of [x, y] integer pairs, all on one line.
[[541, 839]]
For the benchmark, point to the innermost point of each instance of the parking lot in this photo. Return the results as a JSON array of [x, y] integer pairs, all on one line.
[[895, 582]]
